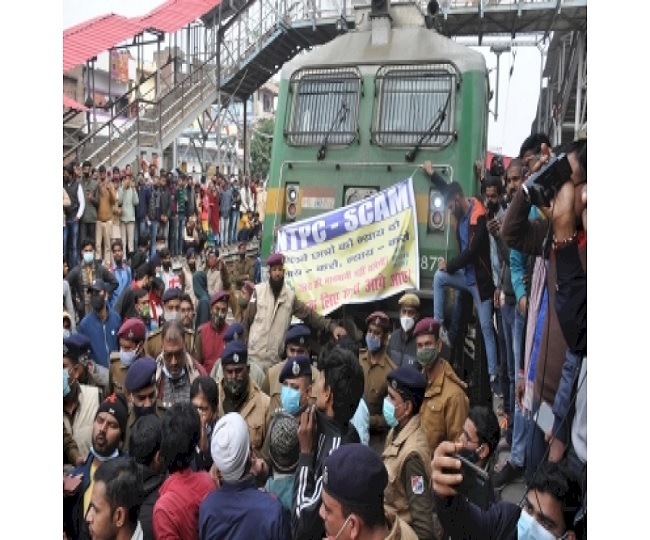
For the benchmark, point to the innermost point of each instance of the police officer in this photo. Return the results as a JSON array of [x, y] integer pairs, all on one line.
[[401, 347], [354, 479], [141, 393], [296, 383], [76, 351], [376, 365], [407, 456], [235, 332], [296, 344], [243, 267], [131, 336], [239, 393], [171, 300], [445, 404]]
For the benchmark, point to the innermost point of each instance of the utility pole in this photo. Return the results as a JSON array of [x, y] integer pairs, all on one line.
[[498, 50]]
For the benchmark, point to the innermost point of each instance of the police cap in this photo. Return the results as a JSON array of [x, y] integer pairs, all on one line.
[[141, 374], [295, 367]]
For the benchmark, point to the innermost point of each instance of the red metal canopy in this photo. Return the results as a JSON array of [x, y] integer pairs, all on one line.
[[176, 14], [86, 40], [73, 104]]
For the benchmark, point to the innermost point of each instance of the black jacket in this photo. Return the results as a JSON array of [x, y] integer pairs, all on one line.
[[75, 280], [151, 484], [307, 483]]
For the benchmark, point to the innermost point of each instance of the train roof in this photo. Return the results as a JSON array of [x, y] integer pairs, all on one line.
[[405, 45]]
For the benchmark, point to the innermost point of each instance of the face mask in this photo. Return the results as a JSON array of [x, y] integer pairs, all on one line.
[[169, 375], [103, 459], [128, 357], [89, 257], [145, 311], [388, 411], [66, 333], [529, 529], [171, 315], [97, 302], [426, 357], [218, 320], [470, 455], [143, 411], [338, 534], [243, 303], [290, 398], [235, 388], [192, 265], [407, 323], [373, 343]]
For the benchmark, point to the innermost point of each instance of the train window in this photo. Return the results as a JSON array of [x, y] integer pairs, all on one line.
[[325, 107], [414, 106]]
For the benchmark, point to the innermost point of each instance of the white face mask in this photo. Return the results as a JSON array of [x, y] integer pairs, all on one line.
[[407, 323], [528, 528], [128, 357], [172, 315]]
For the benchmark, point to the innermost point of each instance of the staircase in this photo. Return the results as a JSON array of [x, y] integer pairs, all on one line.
[[251, 46]]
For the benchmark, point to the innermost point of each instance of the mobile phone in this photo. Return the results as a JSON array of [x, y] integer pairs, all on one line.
[[544, 417], [476, 484]]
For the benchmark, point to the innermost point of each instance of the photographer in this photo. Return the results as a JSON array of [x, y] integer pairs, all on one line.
[[547, 510], [535, 238]]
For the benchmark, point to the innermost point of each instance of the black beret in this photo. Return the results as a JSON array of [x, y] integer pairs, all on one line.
[[407, 381], [295, 367], [173, 293], [141, 374], [234, 332], [75, 346], [355, 475], [235, 353], [298, 334]]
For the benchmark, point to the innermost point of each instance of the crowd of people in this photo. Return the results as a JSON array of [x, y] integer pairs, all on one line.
[[195, 407]]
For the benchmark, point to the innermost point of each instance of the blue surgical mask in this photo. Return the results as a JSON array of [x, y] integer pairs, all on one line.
[[389, 413], [373, 343], [290, 398], [528, 528], [89, 257], [127, 357]]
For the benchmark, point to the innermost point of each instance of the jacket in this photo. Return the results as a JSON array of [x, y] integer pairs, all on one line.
[[255, 411], [132, 419], [401, 531], [209, 345], [102, 335], [74, 522], [218, 280], [266, 321], [571, 297], [129, 201], [76, 204], [90, 209], [462, 519], [225, 202], [143, 203], [153, 343], [151, 483], [402, 352], [75, 280], [376, 388], [445, 406], [107, 198], [530, 237], [308, 481], [238, 511], [80, 426], [124, 277], [192, 369], [407, 458], [477, 252]]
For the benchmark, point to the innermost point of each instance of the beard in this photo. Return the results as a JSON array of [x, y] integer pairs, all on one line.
[[276, 285]]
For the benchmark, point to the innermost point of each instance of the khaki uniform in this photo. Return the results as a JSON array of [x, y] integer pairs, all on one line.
[[241, 271], [255, 411], [160, 412], [116, 374], [153, 342], [408, 461], [445, 407], [70, 448], [401, 531], [375, 389]]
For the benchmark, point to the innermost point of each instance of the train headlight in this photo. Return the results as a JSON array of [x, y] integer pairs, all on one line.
[[436, 220], [291, 202]]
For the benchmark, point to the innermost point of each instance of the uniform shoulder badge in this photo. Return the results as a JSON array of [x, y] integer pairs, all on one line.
[[417, 485]]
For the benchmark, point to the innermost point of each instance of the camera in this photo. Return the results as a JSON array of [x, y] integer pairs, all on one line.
[[542, 186]]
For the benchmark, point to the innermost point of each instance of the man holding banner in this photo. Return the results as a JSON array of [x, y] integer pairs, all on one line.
[[269, 313]]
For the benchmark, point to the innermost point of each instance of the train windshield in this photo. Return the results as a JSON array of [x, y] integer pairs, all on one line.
[[325, 106], [415, 106]]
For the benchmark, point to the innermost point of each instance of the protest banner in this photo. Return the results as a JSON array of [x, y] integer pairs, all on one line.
[[362, 252]]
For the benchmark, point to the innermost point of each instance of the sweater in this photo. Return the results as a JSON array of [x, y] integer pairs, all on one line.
[[129, 201]]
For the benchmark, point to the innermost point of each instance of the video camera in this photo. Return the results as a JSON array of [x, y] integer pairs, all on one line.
[[543, 185]]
